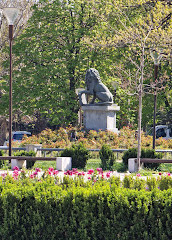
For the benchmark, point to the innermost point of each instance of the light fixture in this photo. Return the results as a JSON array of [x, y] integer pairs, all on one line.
[[11, 15]]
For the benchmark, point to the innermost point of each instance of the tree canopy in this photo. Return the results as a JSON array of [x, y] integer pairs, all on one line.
[[63, 38]]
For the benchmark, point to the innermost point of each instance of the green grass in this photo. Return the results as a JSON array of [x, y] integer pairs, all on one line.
[[44, 165], [93, 164], [165, 167]]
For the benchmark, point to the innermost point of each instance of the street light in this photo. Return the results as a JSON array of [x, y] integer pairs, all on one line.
[[156, 58], [11, 15]]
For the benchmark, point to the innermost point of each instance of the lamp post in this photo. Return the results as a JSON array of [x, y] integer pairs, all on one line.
[[156, 58], [11, 15]]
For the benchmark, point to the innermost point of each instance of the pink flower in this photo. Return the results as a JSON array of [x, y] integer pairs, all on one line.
[[37, 169], [108, 174], [89, 178], [102, 176], [99, 170], [55, 172], [31, 176], [168, 174], [90, 171], [15, 174], [51, 169], [16, 168], [68, 172], [83, 173], [4, 175], [35, 173], [160, 173], [79, 174], [138, 175]]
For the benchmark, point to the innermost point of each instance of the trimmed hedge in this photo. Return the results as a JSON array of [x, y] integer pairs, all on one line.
[[35, 210], [107, 157], [145, 153], [1, 161], [78, 153]]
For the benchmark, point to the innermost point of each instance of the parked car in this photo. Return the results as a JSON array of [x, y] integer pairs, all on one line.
[[17, 136], [163, 131]]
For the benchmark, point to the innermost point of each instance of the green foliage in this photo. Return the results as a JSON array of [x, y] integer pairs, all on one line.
[[1, 161], [107, 157], [145, 153], [78, 153], [83, 210], [130, 153], [29, 164]]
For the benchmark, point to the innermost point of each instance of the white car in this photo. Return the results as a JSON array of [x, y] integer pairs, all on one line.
[[17, 136], [163, 131]]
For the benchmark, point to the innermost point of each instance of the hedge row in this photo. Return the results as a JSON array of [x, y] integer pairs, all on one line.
[[76, 210]]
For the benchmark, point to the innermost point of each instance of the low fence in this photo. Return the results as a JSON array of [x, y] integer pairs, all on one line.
[[44, 151]]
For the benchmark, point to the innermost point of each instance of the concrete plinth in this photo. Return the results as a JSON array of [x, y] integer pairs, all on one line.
[[34, 147], [99, 117], [132, 165], [63, 163], [18, 163]]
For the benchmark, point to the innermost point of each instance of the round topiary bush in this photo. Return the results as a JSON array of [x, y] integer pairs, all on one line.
[[145, 153], [1, 161], [78, 153], [107, 157]]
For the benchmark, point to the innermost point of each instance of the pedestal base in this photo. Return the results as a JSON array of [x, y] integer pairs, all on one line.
[[100, 117]]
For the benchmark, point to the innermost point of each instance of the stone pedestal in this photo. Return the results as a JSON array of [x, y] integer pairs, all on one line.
[[63, 163], [132, 165], [34, 147], [18, 163], [99, 117]]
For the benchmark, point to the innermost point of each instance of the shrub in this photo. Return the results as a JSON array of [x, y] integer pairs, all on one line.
[[107, 157], [130, 153], [45, 210], [1, 161], [145, 153], [29, 164], [78, 153]]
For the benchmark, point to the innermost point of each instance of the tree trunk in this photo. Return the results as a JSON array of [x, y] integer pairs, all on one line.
[[3, 130], [139, 127]]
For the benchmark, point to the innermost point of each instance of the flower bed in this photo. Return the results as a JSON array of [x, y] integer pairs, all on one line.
[[92, 205], [92, 139], [41, 205]]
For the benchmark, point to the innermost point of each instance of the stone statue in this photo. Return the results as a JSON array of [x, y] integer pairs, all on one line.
[[96, 88]]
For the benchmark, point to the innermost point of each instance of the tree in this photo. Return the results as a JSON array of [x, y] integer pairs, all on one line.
[[52, 59], [136, 28], [24, 15]]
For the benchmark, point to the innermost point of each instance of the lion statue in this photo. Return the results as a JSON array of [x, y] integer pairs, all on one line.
[[96, 88]]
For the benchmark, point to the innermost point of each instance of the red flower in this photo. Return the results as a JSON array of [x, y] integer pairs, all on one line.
[[55, 172], [16, 168], [108, 174], [37, 169], [90, 171]]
